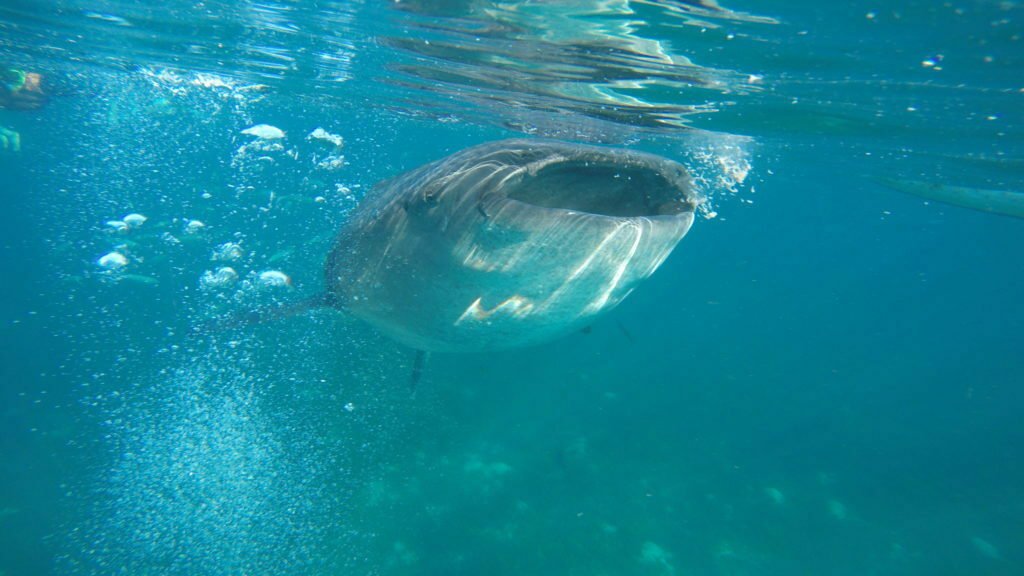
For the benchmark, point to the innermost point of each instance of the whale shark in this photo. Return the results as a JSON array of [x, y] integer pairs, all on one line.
[[1005, 202], [507, 244]]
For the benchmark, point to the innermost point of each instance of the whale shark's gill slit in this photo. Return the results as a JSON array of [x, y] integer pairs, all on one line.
[[602, 300], [599, 251], [606, 190]]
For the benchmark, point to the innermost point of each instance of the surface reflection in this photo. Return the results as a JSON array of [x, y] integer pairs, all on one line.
[[540, 61]]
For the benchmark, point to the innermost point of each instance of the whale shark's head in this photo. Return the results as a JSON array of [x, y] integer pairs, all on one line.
[[510, 243], [544, 174]]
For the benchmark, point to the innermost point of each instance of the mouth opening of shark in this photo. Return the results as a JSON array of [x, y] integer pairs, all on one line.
[[604, 189]]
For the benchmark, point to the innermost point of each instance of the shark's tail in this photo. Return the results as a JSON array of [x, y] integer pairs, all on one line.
[[267, 314]]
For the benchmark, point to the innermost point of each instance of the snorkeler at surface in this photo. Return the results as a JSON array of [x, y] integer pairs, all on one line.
[[19, 90]]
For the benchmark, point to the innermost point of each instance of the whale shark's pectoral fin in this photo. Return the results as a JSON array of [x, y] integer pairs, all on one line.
[[417, 370]]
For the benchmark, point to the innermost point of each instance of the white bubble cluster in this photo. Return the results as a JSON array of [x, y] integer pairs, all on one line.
[[112, 261], [274, 279], [127, 223], [326, 137], [720, 166], [228, 251], [117, 225], [134, 220], [334, 159], [264, 132], [194, 226], [206, 482], [224, 276]]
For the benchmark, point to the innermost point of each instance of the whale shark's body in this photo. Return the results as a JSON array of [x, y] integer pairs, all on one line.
[[507, 244], [1002, 202]]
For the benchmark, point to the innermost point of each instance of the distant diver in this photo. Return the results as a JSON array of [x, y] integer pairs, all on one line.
[[19, 90]]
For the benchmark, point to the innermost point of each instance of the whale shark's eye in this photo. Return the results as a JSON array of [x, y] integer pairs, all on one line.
[[425, 199]]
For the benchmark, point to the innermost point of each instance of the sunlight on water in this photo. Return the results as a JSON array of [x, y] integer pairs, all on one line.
[[597, 62]]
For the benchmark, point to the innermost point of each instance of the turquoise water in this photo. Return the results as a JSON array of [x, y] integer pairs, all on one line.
[[825, 377]]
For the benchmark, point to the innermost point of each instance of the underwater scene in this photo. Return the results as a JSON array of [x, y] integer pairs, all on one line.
[[507, 288]]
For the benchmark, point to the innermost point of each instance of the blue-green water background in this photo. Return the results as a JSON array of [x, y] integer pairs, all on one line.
[[824, 379]]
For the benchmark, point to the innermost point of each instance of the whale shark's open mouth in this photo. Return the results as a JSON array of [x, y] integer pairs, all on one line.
[[607, 186]]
